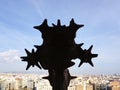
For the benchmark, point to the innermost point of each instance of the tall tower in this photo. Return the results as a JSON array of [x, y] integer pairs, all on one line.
[[84, 86], [10, 88], [34, 87]]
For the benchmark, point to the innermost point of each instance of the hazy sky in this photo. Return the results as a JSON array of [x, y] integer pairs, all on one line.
[[102, 30]]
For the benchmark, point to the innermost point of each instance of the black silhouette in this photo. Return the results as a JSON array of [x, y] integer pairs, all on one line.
[[57, 51]]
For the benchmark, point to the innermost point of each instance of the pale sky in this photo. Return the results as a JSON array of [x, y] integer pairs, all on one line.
[[101, 19]]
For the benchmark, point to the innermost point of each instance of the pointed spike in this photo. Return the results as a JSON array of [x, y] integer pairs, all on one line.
[[36, 27], [36, 46], [24, 60], [38, 65], [28, 66], [72, 22], [81, 25], [27, 51], [68, 64], [91, 63], [80, 44], [90, 48], [23, 57], [47, 77], [58, 22], [32, 65], [94, 55], [45, 22], [53, 25], [78, 26], [73, 77], [74, 25], [80, 63], [33, 51]]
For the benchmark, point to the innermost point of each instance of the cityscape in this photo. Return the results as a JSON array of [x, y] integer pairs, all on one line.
[[20, 81], [102, 30]]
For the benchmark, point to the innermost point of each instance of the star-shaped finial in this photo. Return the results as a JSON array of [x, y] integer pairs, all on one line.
[[31, 59], [87, 56]]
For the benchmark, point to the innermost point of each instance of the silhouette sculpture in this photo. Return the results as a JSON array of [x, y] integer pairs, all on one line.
[[57, 51]]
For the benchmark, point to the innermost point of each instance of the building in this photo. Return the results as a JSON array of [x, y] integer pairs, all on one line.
[[71, 87], [114, 85]]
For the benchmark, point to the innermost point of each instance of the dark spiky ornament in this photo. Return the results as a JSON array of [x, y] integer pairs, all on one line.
[[57, 51]]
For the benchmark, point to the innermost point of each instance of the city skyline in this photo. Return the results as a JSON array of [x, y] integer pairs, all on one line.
[[101, 29], [10, 81]]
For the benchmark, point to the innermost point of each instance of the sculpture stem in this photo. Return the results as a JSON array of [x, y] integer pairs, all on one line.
[[59, 79]]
